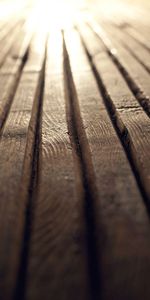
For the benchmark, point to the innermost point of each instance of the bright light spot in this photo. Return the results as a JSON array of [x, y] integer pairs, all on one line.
[[58, 14]]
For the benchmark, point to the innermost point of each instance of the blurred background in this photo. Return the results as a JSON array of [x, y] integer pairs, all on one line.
[[11, 5], [62, 13]]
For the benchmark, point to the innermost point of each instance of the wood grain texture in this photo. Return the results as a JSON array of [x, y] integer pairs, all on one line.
[[16, 148], [10, 72], [135, 74], [58, 259], [7, 43], [129, 112], [139, 52], [74, 150], [122, 222]]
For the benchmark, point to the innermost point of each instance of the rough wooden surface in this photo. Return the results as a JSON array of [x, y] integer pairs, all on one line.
[[74, 152]]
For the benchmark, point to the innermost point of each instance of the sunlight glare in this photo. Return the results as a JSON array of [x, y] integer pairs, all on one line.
[[58, 14]]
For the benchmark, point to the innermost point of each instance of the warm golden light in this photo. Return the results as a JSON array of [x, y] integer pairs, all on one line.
[[57, 14]]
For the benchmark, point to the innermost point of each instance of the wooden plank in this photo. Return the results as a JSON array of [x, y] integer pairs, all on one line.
[[139, 37], [129, 113], [58, 257], [139, 52], [143, 29], [122, 224], [10, 72], [136, 76], [138, 22], [18, 36], [7, 44], [138, 25], [8, 27], [16, 156], [10, 32], [5, 25]]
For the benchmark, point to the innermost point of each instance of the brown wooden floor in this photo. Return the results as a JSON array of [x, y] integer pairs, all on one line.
[[75, 152]]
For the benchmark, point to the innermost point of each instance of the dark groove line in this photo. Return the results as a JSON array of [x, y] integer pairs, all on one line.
[[3, 58], [81, 147], [142, 43], [133, 54], [143, 100], [136, 57], [124, 136], [20, 291], [13, 91], [125, 26]]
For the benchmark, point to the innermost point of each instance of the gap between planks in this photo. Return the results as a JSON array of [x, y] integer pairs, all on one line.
[[127, 65], [120, 105], [18, 138]]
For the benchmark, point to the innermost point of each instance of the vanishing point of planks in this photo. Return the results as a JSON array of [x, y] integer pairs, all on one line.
[[75, 158]]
